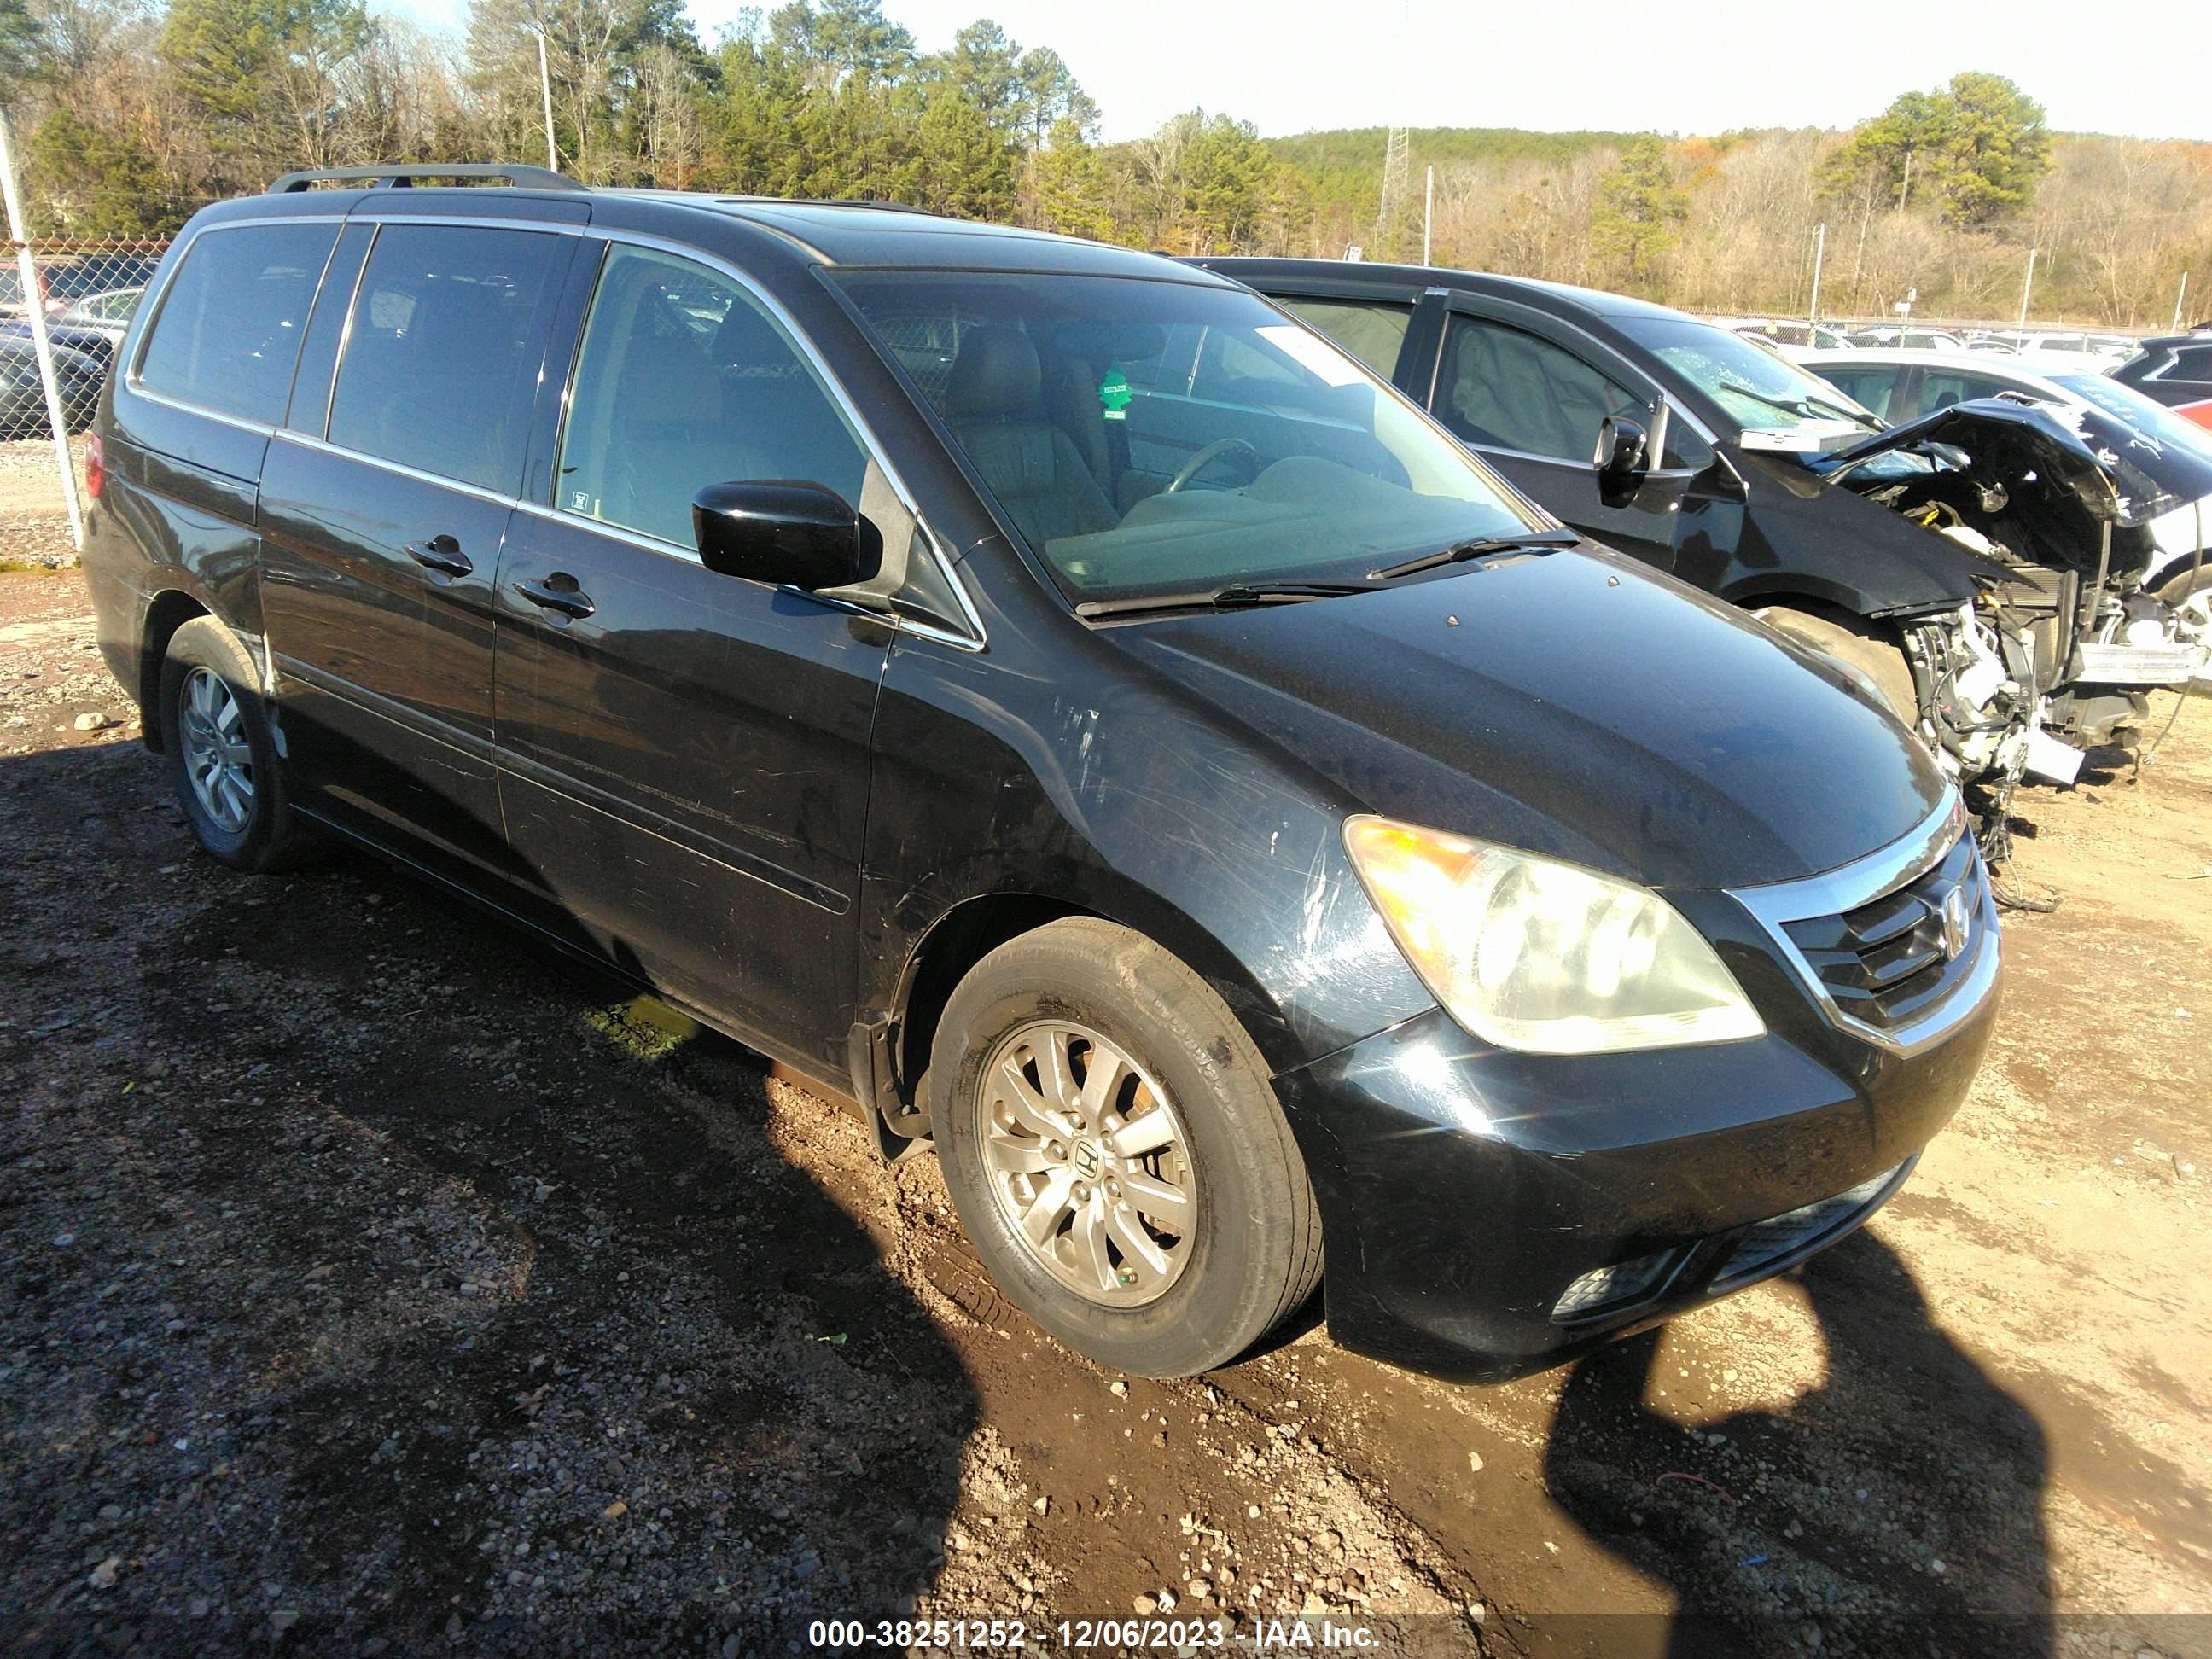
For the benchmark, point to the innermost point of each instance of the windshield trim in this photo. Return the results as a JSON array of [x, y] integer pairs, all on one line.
[[1535, 517]]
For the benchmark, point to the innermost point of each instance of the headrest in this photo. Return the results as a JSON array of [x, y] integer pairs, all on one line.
[[667, 381], [994, 373]]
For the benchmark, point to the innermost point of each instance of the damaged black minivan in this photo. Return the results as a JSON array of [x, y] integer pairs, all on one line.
[[1072, 712], [1981, 566]]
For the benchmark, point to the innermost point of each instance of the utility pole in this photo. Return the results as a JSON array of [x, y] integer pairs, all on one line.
[[2180, 294], [1428, 212], [545, 86], [1819, 253], [34, 318], [2027, 287], [1397, 166]]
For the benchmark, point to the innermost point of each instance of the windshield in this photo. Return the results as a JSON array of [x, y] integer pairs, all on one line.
[[2138, 411], [1155, 437], [1761, 390]]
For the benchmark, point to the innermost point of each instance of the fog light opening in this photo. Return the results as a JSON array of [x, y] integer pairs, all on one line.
[[1605, 1287]]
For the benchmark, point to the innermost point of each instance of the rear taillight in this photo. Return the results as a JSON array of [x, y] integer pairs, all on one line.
[[95, 466]]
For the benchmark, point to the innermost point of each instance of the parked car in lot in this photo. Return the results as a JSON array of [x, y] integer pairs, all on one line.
[[1905, 385], [1957, 564], [1915, 339], [61, 282], [23, 395], [1044, 693], [1787, 336], [2173, 369], [92, 325]]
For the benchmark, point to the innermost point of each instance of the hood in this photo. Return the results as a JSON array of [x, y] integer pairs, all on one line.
[[1859, 554], [2105, 467], [1576, 705]]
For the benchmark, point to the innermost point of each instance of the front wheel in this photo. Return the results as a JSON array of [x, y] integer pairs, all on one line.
[[2190, 593], [222, 755], [1116, 1154], [1869, 657]]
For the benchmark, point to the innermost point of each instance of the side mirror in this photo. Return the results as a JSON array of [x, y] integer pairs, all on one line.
[[1622, 459], [778, 529]]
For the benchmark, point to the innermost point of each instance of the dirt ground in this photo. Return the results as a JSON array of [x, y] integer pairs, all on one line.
[[374, 1283]]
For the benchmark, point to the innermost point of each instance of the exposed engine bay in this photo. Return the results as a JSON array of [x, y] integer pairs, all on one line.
[[2060, 649]]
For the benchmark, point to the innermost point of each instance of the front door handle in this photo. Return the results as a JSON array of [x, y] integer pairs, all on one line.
[[442, 554], [558, 592]]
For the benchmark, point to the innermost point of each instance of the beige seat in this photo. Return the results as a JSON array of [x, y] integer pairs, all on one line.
[[1031, 464]]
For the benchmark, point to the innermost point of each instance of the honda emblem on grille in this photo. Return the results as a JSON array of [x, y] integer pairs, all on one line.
[[1956, 919]]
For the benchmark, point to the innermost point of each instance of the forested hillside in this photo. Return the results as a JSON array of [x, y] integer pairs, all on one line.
[[132, 113]]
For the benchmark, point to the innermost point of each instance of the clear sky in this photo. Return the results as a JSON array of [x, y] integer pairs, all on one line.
[[1698, 66]]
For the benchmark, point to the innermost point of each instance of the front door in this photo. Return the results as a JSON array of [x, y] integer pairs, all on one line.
[[1532, 406], [382, 520], [685, 756]]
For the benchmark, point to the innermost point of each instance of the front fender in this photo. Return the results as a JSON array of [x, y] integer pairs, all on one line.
[[1100, 791]]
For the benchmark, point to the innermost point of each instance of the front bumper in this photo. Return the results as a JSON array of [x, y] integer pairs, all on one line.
[[1473, 1199]]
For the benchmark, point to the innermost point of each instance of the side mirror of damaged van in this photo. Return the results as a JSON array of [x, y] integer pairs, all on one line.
[[785, 531], [1622, 459]]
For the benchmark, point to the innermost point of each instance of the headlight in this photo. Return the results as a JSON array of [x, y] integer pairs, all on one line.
[[1546, 958]]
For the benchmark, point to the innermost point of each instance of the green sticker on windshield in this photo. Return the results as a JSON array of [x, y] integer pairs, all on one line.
[[1113, 394]]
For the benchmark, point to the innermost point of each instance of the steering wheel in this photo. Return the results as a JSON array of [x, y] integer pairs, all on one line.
[[1205, 458]]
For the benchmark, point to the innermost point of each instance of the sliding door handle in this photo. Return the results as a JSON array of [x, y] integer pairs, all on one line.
[[566, 598]]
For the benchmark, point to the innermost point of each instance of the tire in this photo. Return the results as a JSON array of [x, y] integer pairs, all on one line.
[[239, 810], [2177, 587], [1869, 656], [1244, 1250], [2192, 593]]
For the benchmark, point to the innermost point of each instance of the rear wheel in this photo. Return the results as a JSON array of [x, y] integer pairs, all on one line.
[[1872, 658], [223, 756], [1116, 1152]]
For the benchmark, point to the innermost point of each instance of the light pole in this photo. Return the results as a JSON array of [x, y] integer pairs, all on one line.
[[545, 86]]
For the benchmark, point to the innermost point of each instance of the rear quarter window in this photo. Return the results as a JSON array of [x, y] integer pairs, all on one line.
[[1372, 331], [227, 334], [2192, 364]]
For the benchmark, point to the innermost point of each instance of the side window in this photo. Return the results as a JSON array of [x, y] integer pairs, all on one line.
[[2192, 365], [1941, 388], [684, 381], [1686, 449], [1507, 389], [443, 349], [1372, 331], [229, 331], [1873, 386]]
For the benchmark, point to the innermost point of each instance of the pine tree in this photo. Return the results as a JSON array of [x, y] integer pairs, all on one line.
[[1639, 205]]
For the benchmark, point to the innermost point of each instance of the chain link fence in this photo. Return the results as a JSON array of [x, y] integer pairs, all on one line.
[[65, 305]]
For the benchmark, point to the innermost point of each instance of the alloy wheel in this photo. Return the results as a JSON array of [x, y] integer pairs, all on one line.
[[217, 759], [1088, 1163]]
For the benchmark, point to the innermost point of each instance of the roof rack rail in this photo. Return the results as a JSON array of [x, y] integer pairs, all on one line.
[[401, 175], [830, 201]]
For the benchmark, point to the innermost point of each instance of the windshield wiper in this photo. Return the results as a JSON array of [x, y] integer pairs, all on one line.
[[1856, 417], [1802, 407], [1236, 596], [1459, 552]]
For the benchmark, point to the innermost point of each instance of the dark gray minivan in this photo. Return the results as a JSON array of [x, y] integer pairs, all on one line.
[[1070, 709]]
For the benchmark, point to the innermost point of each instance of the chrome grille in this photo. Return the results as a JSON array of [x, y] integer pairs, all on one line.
[[1890, 960]]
